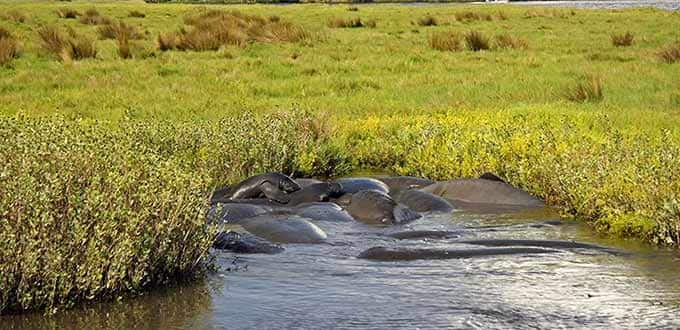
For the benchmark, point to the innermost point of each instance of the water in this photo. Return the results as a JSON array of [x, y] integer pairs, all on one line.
[[326, 286], [608, 4]]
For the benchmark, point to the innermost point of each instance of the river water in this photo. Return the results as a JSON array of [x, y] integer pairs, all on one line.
[[327, 286], [607, 4]]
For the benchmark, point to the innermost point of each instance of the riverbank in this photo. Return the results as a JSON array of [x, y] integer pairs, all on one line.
[[109, 160]]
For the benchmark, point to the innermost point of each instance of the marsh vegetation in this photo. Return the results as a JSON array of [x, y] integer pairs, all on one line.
[[105, 154]]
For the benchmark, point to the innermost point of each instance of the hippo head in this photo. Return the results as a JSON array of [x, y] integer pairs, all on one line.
[[288, 185]]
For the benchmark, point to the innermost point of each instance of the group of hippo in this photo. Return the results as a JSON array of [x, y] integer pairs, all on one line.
[[276, 209]]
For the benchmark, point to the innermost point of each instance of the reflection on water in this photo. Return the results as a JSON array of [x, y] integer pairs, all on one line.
[[326, 286]]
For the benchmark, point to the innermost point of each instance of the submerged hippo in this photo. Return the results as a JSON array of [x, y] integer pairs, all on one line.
[[483, 191], [318, 192], [284, 228], [323, 212], [375, 207], [225, 213], [404, 182], [402, 254], [274, 186], [244, 243], [353, 185], [422, 201]]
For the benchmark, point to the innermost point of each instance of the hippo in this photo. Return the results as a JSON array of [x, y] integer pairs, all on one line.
[[375, 207], [422, 201], [424, 234], [244, 243], [396, 183], [463, 192], [304, 182], [284, 228], [226, 213], [353, 185], [536, 243], [274, 186], [323, 212], [402, 254], [318, 192]]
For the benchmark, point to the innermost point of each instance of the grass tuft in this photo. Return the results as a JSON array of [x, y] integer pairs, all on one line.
[[92, 17], [124, 49], [136, 14], [468, 16], [589, 89], [505, 41], [352, 8], [671, 53], [428, 21], [477, 41], [9, 48], [446, 41], [349, 23], [66, 48], [118, 30], [213, 29], [622, 40], [14, 16], [167, 41], [67, 13]]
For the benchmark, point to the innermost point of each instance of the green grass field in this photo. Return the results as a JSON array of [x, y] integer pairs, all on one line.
[[118, 153]]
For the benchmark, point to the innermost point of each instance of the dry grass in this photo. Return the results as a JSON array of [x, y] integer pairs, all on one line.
[[124, 49], [428, 21], [14, 16], [67, 13], [506, 41], [93, 17], [118, 30], [167, 41], [349, 23], [622, 40], [213, 29], [66, 48], [671, 53], [502, 15], [468, 16], [589, 89], [136, 14], [9, 48], [477, 41], [446, 41], [547, 13]]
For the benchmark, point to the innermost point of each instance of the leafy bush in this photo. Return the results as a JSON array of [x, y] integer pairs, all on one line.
[[94, 210], [590, 165]]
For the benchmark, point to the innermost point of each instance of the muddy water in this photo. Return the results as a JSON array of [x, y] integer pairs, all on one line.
[[326, 286]]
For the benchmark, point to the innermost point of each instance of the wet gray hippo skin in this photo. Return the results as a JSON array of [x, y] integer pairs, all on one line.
[[405, 182], [388, 254], [377, 208], [244, 243], [284, 228], [424, 234], [323, 212], [318, 192], [224, 213], [536, 243], [274, 186], [353, 185], [482, 191], [304, 182], [422, 201]]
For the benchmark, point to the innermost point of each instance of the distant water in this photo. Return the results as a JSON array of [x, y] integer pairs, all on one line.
[[673, 5]]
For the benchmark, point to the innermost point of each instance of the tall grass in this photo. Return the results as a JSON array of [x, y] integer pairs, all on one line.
[[69, 47], [588, 89], [68, 13], [446, 41], [477, 41], [118, 30], [136, 14], [622, 40], [350, 23], [93, 17], [15, 16], [9, 47], [428, 20], [468, 16], [506, 40], [213, 29], [671, 53]]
